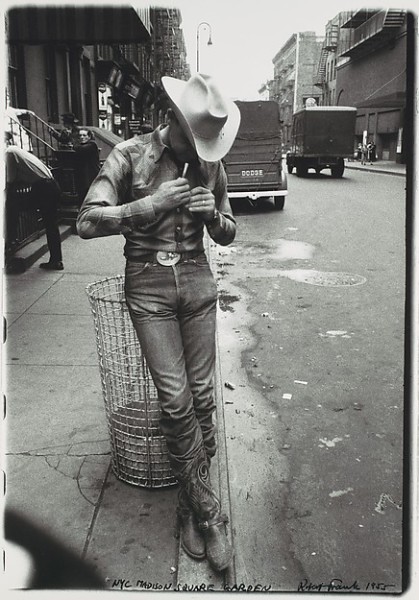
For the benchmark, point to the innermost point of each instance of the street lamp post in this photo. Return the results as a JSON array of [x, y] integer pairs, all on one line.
[[209, 43]]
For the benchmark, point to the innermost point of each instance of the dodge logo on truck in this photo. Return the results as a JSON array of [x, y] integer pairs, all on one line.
[[252, 173]]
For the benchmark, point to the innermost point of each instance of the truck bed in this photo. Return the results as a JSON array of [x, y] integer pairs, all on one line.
[[324, 131], [254, 163], [255, 167]]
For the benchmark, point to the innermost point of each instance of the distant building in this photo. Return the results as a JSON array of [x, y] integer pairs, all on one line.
[[169, 52], [295, 66], [371, 75], [264, 90]]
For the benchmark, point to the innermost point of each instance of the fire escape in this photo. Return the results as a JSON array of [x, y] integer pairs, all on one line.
[[329, 46], [371, 29]]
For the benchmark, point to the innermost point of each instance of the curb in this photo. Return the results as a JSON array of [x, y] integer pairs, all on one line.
[[377, 170], [199, 576]]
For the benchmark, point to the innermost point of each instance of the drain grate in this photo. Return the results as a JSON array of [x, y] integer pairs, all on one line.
[[329, 279]]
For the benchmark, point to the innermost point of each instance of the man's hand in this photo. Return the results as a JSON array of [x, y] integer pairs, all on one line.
[[202, 203], [171, 194]]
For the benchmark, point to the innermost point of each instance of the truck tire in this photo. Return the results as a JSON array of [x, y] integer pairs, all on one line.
[[279, 202], [338, 169]]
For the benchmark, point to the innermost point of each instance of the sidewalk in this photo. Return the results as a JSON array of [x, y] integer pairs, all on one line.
[[380, 166], [58, 450]]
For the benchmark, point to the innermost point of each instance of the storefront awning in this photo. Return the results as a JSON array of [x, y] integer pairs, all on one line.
[[84, 25]]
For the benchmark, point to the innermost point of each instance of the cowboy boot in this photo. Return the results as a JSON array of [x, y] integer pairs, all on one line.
[[207, 508], [190, 534]]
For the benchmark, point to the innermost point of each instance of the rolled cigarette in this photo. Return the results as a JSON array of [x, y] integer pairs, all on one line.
[[185, 168]]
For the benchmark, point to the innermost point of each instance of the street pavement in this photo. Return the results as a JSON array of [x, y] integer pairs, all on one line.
[[58, 453]]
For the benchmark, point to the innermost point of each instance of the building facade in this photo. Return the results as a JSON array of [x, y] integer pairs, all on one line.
[[101, 63], [168, 54], [53, 56], [371, 75], [325, 78], [295, 66]]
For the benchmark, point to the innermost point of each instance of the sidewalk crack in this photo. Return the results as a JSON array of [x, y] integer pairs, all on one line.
[[66, 450], [79, 486]]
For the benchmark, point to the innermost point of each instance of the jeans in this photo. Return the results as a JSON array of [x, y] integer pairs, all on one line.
[[173, 310]]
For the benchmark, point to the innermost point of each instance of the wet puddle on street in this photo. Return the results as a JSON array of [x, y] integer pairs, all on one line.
[[279, 250], [285, 250], [330, 279], [291, 249]]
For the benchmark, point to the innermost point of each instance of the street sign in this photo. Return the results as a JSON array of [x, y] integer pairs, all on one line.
[[134, 124], [132, 89]]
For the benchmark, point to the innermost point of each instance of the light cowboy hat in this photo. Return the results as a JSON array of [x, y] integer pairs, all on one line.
[[208, 118]]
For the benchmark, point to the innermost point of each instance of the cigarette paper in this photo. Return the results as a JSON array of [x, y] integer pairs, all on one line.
[[185, 168]]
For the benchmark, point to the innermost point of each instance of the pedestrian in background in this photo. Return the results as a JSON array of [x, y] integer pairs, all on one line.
[[68, 135], [30, 185], [161, 190], [87, 164], [364, 153], [371, 152]]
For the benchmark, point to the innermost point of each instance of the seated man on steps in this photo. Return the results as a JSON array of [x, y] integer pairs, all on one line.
[[24, 170]]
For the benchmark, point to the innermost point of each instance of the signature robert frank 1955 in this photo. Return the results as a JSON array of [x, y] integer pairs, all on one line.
[[338, 585]]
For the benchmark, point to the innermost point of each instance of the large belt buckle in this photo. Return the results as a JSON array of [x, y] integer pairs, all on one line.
[[167, 259]]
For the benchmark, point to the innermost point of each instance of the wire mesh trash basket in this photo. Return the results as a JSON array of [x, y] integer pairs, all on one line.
[[139, 451]]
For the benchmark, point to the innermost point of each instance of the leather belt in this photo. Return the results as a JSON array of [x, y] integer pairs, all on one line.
[[167, 258]]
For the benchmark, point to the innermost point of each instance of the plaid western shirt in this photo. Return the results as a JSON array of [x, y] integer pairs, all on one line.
[[119, 200]]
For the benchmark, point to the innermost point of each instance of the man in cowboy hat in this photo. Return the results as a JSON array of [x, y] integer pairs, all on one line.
[[161, 190]]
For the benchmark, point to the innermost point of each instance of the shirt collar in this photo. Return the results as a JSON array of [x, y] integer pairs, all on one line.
[[157, 142]]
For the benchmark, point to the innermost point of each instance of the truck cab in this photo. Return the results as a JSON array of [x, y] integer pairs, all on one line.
[[254, 163]]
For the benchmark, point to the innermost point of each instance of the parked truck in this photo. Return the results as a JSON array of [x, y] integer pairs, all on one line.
[[321, 137], [254, 163]]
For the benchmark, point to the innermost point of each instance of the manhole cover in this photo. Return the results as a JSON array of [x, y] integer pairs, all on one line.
[[329, 279]]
